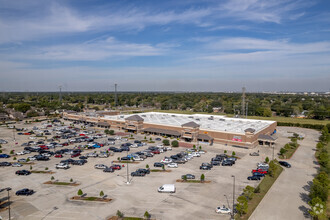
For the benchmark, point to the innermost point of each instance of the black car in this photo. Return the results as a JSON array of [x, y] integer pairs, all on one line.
[[112, 148], [108, 170], [146, 171], [258, 174], [174, 157], [125, 148], [5, 164], [157, 164], [137, 142], [23, 172], [24, 192], [215, 163], [254, 177], [207, 164], [83, 158], [158, 139], [227, 163], [188, 176], [78, 162], [125, 158], [136, 173], [41, 158], [204, 167], [216, 159], [111, 139], [68, 161], [118, 150], [285, 164]]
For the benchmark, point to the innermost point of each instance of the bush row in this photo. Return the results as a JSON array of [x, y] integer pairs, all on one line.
[[312, 126]]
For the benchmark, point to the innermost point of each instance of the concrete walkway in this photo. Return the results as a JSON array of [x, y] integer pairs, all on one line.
[[287, 199]]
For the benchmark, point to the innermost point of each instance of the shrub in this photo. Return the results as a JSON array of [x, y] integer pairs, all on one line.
[[28, 160], [225, 151], [185, 177], [267, 160], [120, 214], [163, 167], [200, 147], [101, 194], [282, 151], [194, 147], [118, 158], [242, 205], [30, 167], [319, 146], [257, 189], [248, 192], [71, 180], [166, 142], [14, 158], [145, 137], [80, 192], [147, 215], [52, 178], [46, 168], [147, 166], [150, 139], [175, 143], [202, 178], [0, 151], [233, 154], [12, 152]]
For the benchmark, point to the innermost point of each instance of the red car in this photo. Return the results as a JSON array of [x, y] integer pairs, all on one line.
[[44, 147], [58, 155], [75, 155], [259, 171], [116, 167], [65, 144], [155, 152], [27, 133]]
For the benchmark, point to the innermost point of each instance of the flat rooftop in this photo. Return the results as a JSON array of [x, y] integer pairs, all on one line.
[[206, 122]]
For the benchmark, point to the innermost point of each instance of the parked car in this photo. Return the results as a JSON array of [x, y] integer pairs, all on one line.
[[75, 155], [16, 165], [223, 210], [125, 158], [254, 177], [137, 173], [172, 165], [5, 164], [204, 167], [146, 171], [285, 164], [20, 153], [58, 155], [259, 174], [215, 163], [22, 172], [92, 155], [24, 192], [100, 166], [158, 139], [227, 163], [31, 158], [188, 176], [22, 160], [62, 166], [254, 154], [42, 158], [4, 156], [259, 171], [157, 164], [83, 157], [108, 170], [116, 167], [103, 155], [167, 188]]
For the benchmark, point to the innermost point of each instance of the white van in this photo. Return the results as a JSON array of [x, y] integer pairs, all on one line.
[[167, 188]]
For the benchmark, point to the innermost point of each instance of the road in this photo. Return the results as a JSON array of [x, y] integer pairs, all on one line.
[[287, 199]]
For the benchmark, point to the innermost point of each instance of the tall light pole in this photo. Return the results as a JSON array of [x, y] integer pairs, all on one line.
[[9, 216], [232, 217], [127, 167]]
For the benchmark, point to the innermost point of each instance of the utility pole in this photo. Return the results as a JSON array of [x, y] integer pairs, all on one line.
[[60, 94], [232, 217], [116, 98], [9, 216], [243, 101], [247, 108]]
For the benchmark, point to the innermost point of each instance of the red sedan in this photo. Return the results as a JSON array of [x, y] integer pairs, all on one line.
[[75, 155], [116, 167], [155, 152], [58, 155], [259, 171]]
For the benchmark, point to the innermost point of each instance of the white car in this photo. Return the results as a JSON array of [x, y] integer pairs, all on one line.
[[201, 152], [134, 146], [16, 165], [46, 154], [100, 166], [172, 165], [223, 210], [195, 154], [104, 155], [32, 138], [168, 148], [20, 153], [62, 166], [31, 158], [138, 159], [92, 155], [166, 160], [26, 151]]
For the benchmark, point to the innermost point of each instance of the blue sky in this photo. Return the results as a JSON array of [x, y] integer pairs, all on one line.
[[88, 45]]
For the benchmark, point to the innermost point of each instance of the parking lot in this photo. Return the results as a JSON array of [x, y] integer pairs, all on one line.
[[191, 200]]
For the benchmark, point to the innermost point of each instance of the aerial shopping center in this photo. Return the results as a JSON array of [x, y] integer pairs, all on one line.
[[200, 128]]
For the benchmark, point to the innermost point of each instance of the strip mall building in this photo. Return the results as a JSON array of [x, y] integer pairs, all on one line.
[[209, 129]]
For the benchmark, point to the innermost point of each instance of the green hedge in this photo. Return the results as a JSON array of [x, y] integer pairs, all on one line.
[[312, 126]]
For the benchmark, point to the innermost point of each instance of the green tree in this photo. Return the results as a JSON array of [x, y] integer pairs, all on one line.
[[282, 151], [120, 214], [147, 215], [52, 178], [80, 192], [318, 190], [233, 153], [202, 178], [194, 147], [267, 160], [147, 166], [175, 143], [185, 178], [166, 142], [71, 180], [225, 151], [319, 146], [318, 208], [248, 192], [101, 194], [242, 205], [111, 132]]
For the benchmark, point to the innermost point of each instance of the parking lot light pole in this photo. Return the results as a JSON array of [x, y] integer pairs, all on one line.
[[232, 217], [127, 168], [273, 150], [9, 216]]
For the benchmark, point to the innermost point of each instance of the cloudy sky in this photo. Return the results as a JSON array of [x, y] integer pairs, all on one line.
[[210, 45]]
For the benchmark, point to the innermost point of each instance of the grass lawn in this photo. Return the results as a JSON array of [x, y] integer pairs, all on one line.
[[62, 183], [276, 118], [192, 181], [264, 185]]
